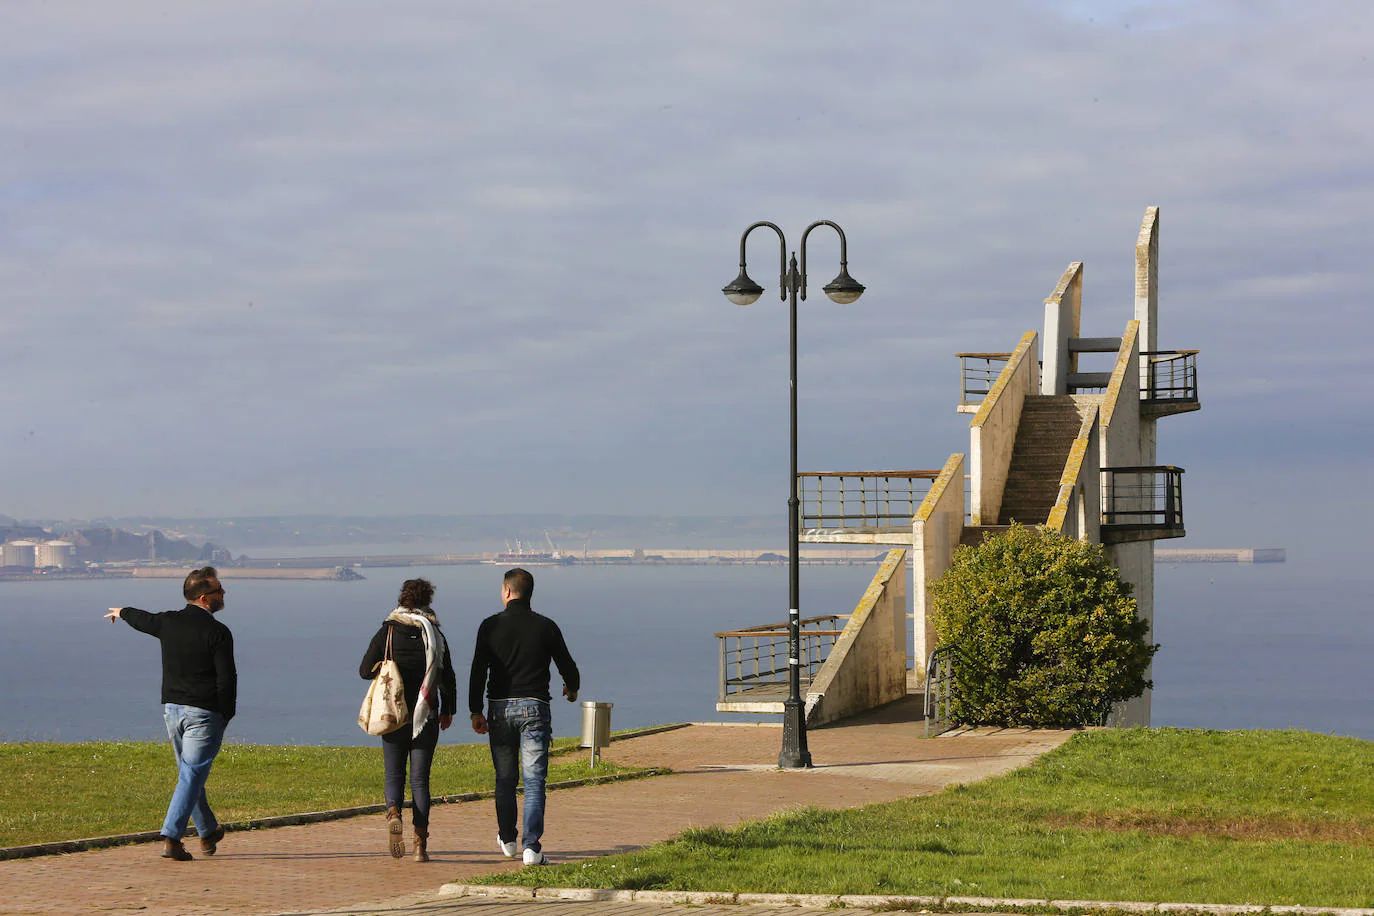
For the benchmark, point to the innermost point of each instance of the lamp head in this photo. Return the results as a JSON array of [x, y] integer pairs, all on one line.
[[844, 289], [742, 290]]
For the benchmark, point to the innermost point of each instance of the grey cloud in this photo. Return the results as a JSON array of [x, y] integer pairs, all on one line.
[[500, 233]]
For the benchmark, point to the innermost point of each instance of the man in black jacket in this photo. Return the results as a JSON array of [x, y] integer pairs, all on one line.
[[199, 694], [511, 662]]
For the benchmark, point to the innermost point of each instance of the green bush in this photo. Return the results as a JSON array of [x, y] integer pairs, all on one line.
[[1045, 628]]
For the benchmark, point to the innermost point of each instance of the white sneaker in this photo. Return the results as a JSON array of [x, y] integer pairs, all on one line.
[[535, 858], [507, 849]]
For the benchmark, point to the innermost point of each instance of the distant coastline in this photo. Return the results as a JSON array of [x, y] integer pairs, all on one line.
[[344, 568]]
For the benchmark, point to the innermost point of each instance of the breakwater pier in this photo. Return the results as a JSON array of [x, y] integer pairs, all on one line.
[[331, 574], [1220, 555], [696, 556], [344, 567]]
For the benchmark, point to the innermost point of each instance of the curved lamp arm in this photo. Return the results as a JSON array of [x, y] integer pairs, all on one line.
[[782, 254], [844, 249]]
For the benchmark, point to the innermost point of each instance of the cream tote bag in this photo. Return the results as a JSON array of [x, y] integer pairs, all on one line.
[[384, 706]]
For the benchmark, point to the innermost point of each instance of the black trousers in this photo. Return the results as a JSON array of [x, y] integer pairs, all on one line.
[[397, 748]]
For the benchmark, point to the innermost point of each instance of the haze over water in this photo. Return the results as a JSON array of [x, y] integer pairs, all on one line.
[[1268, 646]]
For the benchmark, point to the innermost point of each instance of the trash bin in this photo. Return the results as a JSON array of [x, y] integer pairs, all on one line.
[[596, 726]]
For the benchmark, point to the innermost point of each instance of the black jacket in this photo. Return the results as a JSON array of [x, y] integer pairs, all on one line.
[[512, 657], [197, 657], [408, 649]]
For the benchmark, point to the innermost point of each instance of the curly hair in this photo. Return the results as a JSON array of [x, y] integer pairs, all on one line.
[[416, 593]]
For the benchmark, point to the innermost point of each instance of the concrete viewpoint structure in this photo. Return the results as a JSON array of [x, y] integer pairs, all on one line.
[[1054, 441]]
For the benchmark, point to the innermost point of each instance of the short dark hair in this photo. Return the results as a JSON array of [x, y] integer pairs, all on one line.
[[200, 582], [416, 593], [520, 583]]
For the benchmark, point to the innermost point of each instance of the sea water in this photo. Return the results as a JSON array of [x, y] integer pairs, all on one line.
[[1264, 646]]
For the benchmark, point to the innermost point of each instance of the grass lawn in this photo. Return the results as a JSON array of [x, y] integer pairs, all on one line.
[[67, 791], [1121, 814]]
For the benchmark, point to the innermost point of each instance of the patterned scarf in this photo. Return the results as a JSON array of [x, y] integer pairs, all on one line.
[[434, 653]]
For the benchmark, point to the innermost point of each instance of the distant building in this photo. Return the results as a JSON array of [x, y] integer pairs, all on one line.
[[55, 555], [20, 554]]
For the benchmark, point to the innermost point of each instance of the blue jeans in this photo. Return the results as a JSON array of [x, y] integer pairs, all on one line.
[[196, 736], [398, 747], [520, 728]]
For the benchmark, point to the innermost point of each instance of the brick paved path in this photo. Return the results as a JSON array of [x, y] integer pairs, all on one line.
[[725, 775]]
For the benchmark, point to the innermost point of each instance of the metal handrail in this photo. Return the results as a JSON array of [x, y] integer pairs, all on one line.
[[941, 682], [754, 657], [764, 628], [1145, 496], [977, 373], [861, 499], [1169, 375]]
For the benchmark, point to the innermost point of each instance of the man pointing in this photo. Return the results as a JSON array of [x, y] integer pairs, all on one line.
[[199, 693]]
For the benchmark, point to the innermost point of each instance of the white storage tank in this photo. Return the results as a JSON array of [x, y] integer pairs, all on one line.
[[19, 553], [55, 555]]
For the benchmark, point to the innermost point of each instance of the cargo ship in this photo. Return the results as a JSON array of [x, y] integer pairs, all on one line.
[[523, 557]]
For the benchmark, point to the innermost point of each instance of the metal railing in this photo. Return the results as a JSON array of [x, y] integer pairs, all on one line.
[[861, 499], [1143, 497], [977, 373], [941, 684], [756, 657], [1170, 376]]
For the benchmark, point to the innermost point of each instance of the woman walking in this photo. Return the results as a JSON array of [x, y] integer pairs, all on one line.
[[412, 636]]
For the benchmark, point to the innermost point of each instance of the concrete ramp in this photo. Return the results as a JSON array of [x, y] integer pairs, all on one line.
[[867, 665]]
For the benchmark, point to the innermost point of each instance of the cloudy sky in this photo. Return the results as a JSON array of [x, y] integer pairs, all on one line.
[[266, 258]]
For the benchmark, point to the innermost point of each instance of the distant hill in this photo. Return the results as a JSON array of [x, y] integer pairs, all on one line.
[[110, 545]]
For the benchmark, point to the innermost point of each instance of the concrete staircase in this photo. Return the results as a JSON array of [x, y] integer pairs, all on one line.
[[1049, 424]]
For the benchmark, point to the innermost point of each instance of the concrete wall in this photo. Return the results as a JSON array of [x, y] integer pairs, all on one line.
[[992, 432], [1077, 510], [935, 532], [867, 665], [1063, 311], [1147, 279], [1123, 445], [1137, 561]]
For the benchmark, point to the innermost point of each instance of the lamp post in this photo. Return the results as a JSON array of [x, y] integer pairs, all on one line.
[[844, 289]]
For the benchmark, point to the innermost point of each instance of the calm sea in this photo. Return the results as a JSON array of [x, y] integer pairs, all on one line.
[[1269, 646]]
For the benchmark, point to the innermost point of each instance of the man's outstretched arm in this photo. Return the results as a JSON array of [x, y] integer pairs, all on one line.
[[139, 620]]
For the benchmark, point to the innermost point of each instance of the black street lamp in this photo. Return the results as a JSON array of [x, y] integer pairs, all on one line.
[[844, 289]]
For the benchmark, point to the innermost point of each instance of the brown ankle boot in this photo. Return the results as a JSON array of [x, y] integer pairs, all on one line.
[[396, 843], [210, 841], [172, 849], [421, 842]]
